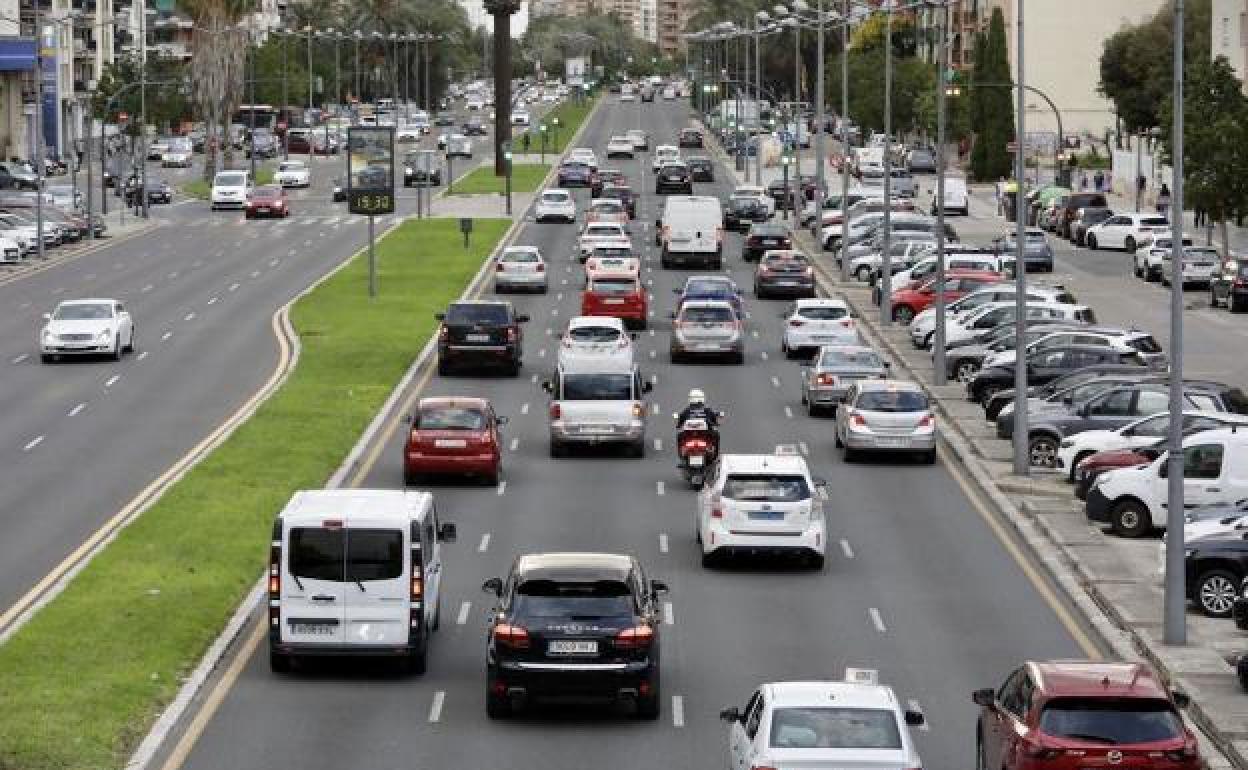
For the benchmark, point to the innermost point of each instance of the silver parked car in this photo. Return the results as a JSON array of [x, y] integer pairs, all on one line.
[[520, 268], [707, 328], [834, 369], [886, 416]]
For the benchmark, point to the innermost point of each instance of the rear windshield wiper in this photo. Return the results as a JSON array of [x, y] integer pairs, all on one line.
[[1090, 737]]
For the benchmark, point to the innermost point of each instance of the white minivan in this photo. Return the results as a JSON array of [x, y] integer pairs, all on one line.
[[355, 572], [691, 231], [230, 189], [957, 198]]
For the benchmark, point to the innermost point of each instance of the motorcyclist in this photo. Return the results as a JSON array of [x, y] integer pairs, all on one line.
[[697, 409]]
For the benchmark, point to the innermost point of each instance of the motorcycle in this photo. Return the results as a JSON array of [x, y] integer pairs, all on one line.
[[697, 446]]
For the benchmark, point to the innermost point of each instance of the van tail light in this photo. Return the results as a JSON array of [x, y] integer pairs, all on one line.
[[858, 420], [827, 379], [418, 588], [541, 268], [639, 411], [515, 637], [717, 508], [555, 412], [926, 421], [636, 638]]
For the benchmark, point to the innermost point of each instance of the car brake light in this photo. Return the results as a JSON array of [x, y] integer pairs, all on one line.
[[418, 588], [511, 335], [639, 411], [541, 268], [926, 421], [795, 323], [858, 420], [516, 637], [848, 323], [717, 508], [827, 379], [636, 638]]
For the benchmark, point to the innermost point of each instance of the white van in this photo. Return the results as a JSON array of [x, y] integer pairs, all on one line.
[[355, 572], [230, 189], [594, 401], [956, 196], [691, 231], [1133, 500]]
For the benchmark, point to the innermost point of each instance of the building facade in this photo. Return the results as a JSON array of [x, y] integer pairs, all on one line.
[[673, 18], [1229, 36]]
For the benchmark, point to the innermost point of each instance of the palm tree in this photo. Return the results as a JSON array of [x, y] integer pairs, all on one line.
[[219, 45]]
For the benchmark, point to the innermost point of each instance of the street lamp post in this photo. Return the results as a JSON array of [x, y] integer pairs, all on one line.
[[507, 182], [285, 96], [542, 130], [358, 35], [251, 96], [938, 340], [308, 29], [844, 124], [886, 273], [1022, 454]]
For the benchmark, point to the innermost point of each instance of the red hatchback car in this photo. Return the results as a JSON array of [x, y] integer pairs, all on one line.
[[453, 436], [909, 301], [1083, 715], [267, 201], [619, 295]]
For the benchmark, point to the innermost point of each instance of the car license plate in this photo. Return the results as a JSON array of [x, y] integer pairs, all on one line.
[[450, 443], [263, 209], [613, 302], [766, 515], [572, 647], [313, 629], [891, 442], [696, 461], [786, 283], [770, 241], [477, 337], [597, 430]]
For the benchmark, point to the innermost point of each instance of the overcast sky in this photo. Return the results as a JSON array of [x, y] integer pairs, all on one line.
[[477, 16]]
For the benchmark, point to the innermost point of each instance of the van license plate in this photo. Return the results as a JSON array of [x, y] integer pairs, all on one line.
[[572, 647], [312, 629]]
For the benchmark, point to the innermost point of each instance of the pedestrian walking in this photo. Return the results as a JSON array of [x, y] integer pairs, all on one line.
[[527, 138], [1163, 199], [1098, 179], [1198, 217]]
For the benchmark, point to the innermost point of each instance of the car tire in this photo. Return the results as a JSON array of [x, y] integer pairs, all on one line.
[[903, 314], [557, 449], [1091, 242], [929, 457], [650, 706], [1129, 518], [1216, 591], [1213, 298], [491, 479], [964, 370], [987, 392], [47, 358], [1235, 305], [815, 561], [737, 359], [1129, 244], [280, 662], [848, 455], [496, 706], [1042, 448], [444, 367], [129, 348], [637, 449], [710, 559], [117, 348]]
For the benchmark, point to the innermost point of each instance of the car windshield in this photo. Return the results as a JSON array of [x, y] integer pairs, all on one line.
[[773, 487], [478, 314], [544, 598], [612, 208], [599, 231], [83, 312], [520, 256], [594, 334], [1111, 720], [231, 180], [613, 286], [612, 251], [292, 165], [707, 315], [1154, 222], [555, 197], [340, 555], [834, 728], [892, 401], [706, 287], [823, 313], [840, 359], [450, 418], [598, 387]]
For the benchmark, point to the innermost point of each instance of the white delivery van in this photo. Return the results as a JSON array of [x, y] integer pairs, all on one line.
[[230, 189], [957, 198], [1133, 500], [597, 401], [355, 572], [691, 231]]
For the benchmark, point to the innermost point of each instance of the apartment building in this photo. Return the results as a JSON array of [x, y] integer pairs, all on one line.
[[1229, 36], [673, 16]]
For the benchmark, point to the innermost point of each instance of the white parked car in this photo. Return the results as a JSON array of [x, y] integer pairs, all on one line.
[[86, 327], [1144, 432], [663, 155], [10, 250], [596, 337], [1199, 265], [1147, 261], [601, 233], [293, 173], [856, 723], [1125, 231], [230, 189], [669, 93], [555, 204], [809, 324], [620, 147], [475, 103], [408, 133], [177, 156], [520, 267], [756, 503]]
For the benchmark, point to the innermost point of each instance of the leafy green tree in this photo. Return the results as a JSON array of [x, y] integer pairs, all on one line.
[[993, 113], [1215, 140], [167, 102]]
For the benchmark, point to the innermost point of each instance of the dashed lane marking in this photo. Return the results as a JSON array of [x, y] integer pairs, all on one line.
[[775, 382], [669, 616], [464, 609], [658, 445], [678, 711], [111, 381], [142, 356], [34, 442], [166, 335], [502, 488], [660, 487], [788, 412], [846, 549], [484, 545], [212, 301], [76, 410], [823, 493], [663, 542], [147, 288], [233, 287], [515, 443], [524, 408], [435, 710], [803, 447], [763, 355], [876, 620], [21, 358], [189, 317]]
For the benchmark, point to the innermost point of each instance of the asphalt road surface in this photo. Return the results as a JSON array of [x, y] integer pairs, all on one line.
[[917, 583]]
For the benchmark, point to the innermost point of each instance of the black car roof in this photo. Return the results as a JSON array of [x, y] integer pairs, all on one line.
[[573, 567]]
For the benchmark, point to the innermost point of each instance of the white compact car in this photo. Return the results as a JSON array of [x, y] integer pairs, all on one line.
[[86, 327], [596, 337], [176, 156], [230, 189], [555, 205], [620, 147], [1125, 231], [812, 323], [520, 268], [408, 133], [856, 723], [10, 250], [663, 155], [584, 155], [760, 504], [520, 118], [293, 173], [601, 233]]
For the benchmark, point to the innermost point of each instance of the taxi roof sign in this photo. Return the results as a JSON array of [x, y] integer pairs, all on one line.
[[862, 676]]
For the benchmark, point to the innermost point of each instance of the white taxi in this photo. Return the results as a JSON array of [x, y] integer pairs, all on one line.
[[293, 173], [760, 504], [555, 204], [596, 336], [855, 723]]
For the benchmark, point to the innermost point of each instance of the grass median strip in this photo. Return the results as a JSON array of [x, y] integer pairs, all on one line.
[[82, 682], [199, 188], [571, 115], [525, 177]]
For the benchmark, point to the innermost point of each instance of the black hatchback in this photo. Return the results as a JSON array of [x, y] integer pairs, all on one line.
[[741, 213], [763, 237], [1044, 366], [480, 334], [701, 169], [579, 625], [673, 179]]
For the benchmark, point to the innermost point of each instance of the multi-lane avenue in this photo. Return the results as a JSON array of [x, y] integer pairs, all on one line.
[[921, 581]]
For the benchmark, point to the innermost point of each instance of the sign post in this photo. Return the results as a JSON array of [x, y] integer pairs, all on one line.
[[465, 227], [507, 183], [370, 182]]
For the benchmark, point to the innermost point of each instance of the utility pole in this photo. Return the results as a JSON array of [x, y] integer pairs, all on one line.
[[143, 101], [40, 149], [886, 275], [251, 140], [820, 121], [938, 341], [308, 29], [285, 97], [1022, 445], [844, 147]]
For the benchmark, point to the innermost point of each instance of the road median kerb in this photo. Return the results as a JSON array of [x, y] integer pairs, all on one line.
[[227, 641]]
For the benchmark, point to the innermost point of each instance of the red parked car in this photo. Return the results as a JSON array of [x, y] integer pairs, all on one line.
[[909, 301], [1095, 464], [1083, 715], [453, 436], [619, 295], [267, 201]]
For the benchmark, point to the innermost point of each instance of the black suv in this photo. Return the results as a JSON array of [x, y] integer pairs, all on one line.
[[482, 333], [414, 174], [741, 213], [622, 193], [1047, 365], [782, 193], [673, 178], [1215, 568], [1230, 285], [701, 169], [762, 237], [574, 624]]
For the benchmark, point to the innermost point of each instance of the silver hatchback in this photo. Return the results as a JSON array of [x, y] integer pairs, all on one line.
[[886, 416], [707, 328], [834, 370]]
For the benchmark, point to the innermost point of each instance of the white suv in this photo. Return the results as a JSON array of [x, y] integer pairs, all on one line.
[[1148, 257], [760, 503], [230, 189], [1125, 231], [555, 204]]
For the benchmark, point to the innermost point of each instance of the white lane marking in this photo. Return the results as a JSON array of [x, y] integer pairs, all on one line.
[[212, 301], [291, 253], [654, 354], [563, 281], [823, 493], [255, 273], [662, 542], [197, 263], [173, 275], [669, 617], [802, 446], [660, 487], [166, 335], [515, 442], [76, 410], [559, 297], [876, 620], [775, 382], [652, 332], [914, 706], [34, 442], [524, 409], [658, 445], [845, 549], [189, 317], [541, 353], [678, 711], [788, 412], [274, 262], [485, 543], [654, 409], [435, 711], [464, 609], [754, 333], [233, 287], [554, 311], [533, 379], [21, 358], [764, 355], [142, 356], [111, 381], [502, 488]]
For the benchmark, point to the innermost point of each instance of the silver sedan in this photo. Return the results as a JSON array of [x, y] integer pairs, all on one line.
[[834, 369], [886, 416]]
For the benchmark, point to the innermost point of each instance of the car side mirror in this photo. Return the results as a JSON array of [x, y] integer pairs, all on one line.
[[502, 419], [915, 718], [547, 386], [658, 223], [647, 386], [440, 316], [730, 715], [985, 697], [1181, 699], [658, 587], [493, 586], [887, 364], [447, 533]]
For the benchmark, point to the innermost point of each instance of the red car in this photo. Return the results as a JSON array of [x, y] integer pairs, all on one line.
[[1083, 715], [909, 301], [267, 201], [1095, 464], [453, 436], [619, 295]]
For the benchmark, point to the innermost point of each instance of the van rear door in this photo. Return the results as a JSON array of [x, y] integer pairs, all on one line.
[[378, 594], [313, 589]]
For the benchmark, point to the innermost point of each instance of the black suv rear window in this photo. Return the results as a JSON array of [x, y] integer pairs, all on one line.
[[339, 555], [1111, 720], [546, 598], [478, 314]]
